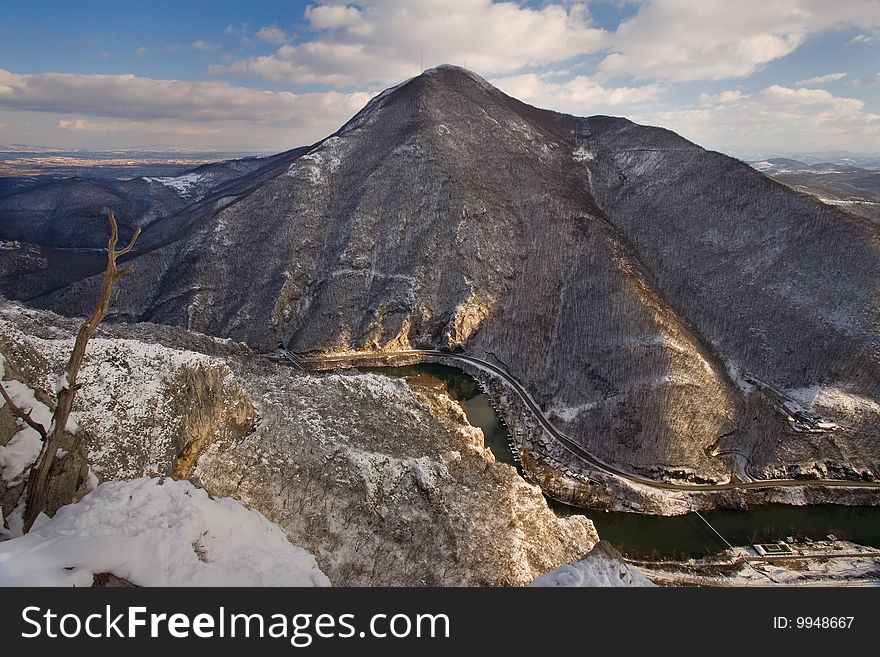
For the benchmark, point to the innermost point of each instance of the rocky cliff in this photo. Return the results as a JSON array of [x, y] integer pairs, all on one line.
[[383, 483]]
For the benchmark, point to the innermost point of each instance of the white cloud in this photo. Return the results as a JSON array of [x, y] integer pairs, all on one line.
[[677, 40], [698, 40], [581, 95], [869, 81], [325, 17], [775, 118], [141, 51], [203, 45], [138, 127], [821, 79], [385, 40], [860, 39], [241, 32], [355, 45], [94, 104], [131, 96], [272, 34]]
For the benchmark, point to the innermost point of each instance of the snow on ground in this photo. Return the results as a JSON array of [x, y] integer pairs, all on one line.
[[319, 163], [582, 154], [821, 563], [376, 469], [603, 566], [138, 374], [180, 184], [837, 201], [833, 397], [124, 393], [569, 414], [157, 532], [24, 447], [738, 376]]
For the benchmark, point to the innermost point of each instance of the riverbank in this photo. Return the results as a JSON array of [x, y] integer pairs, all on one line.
[[819, 563], [565, 476], [641, 535]]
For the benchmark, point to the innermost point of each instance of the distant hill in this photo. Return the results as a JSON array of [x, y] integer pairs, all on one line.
[[850, 188]]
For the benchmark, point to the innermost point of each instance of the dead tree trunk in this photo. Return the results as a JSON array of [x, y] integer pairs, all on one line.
[[38, 482]]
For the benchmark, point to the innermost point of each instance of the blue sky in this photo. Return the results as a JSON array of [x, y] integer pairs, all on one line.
[[747, 77]]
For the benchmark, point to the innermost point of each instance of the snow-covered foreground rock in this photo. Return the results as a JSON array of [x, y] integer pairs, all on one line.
[[385, 483], [603, 566], [389, 485], [157, 532]]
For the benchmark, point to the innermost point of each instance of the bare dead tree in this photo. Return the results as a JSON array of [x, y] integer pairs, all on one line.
[[38, 482]]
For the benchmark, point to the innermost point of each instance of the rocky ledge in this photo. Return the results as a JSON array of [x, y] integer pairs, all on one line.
[[384, 483]]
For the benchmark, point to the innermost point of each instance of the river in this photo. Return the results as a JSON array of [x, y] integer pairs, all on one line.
[[683, 536]]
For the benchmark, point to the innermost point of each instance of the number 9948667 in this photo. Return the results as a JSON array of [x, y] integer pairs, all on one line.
[[813, 623]]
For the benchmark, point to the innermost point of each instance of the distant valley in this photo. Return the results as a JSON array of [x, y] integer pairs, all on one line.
[[26, 166]]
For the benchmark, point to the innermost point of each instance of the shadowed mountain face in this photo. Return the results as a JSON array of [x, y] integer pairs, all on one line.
[[627, 277]]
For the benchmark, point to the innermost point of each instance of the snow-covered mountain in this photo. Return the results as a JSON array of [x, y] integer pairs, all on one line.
[[632, 280]]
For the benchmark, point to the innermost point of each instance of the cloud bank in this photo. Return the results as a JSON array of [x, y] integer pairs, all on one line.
[[649, 67]]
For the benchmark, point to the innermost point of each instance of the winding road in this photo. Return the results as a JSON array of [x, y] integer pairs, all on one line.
[[562, 438]]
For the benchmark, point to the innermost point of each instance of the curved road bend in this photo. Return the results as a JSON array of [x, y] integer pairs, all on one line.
[[577, 449]]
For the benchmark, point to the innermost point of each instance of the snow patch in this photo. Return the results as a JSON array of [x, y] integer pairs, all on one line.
[[833, 397], [452, 67], [845, 202], [157, 532], [24, 447], [603, 566], [570, 413], [377, 469], [183, 185], [318, 164], [92, 480], [739, 377], [581, 154], [136, 375], [407, 148]]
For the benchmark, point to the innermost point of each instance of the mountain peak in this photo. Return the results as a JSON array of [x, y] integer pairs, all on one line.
[[435, 88], [451, 73], [456, 78]]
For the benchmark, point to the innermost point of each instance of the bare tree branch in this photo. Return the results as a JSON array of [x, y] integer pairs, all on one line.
[[130, 246], [37, 489], [26, 417], [123, 272]]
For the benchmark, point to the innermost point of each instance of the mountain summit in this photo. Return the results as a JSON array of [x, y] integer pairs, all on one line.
[[636, 283]]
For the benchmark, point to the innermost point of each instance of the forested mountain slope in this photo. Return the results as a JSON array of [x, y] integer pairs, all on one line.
[[629, 278]]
